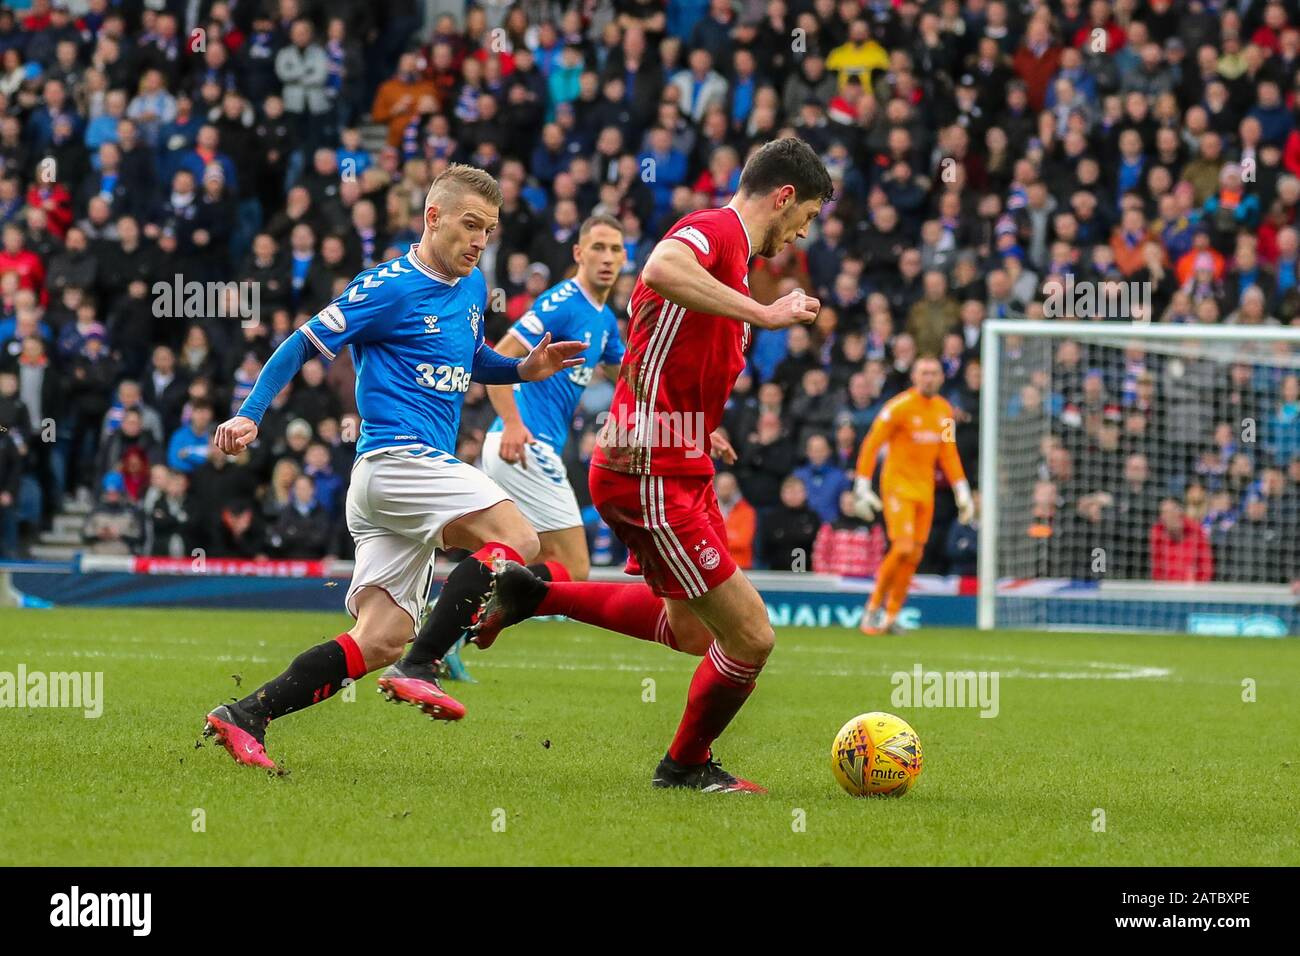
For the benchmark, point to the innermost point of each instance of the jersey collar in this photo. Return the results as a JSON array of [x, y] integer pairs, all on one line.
[[585, 294], [749, 245], [416, 261]]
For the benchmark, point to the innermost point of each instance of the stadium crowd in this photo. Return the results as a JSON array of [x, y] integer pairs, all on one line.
[[979, 148]]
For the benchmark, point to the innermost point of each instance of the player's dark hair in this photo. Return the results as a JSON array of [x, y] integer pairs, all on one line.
[[787, 162], [601, 219]]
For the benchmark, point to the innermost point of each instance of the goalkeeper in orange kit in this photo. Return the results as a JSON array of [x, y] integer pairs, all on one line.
[[916, 429]]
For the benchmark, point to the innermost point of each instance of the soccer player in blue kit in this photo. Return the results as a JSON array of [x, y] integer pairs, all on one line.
[[415, 324], [523, 448]]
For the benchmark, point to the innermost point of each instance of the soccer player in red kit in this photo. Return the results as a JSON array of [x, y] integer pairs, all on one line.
[[652, 474]]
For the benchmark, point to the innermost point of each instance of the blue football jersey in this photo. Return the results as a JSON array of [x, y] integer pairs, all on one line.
[[415, 337], [564, 310]]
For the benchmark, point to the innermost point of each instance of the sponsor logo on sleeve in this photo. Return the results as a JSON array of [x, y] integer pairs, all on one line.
[[694, 237], [332, 318]]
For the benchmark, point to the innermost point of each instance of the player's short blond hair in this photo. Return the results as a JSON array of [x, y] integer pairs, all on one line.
[[459, 178]]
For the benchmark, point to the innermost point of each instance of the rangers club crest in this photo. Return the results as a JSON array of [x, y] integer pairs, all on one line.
[[475, 317]]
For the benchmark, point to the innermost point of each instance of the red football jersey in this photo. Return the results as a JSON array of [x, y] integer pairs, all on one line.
[[680, 365]]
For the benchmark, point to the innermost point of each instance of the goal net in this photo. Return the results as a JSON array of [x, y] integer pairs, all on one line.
[[1140, 477]]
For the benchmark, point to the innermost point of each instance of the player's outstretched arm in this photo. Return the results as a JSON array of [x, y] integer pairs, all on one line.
[[238, 433], [673, 271], [493, 368], [549, 357]]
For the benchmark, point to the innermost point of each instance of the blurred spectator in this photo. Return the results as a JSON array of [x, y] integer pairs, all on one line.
[[304, 528], [279, 491], [327, 486], [962, 544], [823, 479], [1281, 429], [1251, 550], [768, 459], [169, 523], [237, 532], [1180, 550], [303, 68], [12, 453], [1043, 535], [90, 384], [129, 440], [114, 525], [188, 447], [789, 531], [848, 545], [739, 516], [812, 408]]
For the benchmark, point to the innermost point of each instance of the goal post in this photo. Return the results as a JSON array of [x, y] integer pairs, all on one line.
[[1139, 477]]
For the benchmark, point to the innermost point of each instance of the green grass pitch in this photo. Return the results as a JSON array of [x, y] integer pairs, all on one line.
[[560, 743]]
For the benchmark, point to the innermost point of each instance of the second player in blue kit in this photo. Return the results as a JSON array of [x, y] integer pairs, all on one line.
[[524, 447]]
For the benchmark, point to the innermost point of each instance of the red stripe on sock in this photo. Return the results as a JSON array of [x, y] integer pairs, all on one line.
[[492, 550], [558, 571], [713, 700], [737, 671], [352, 654]]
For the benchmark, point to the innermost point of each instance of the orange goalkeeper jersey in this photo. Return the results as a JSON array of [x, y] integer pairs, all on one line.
[[918, 433]]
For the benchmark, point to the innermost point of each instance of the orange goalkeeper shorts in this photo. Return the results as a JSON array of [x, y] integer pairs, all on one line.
[[907, 519]]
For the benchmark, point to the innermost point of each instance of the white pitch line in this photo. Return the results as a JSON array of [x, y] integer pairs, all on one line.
[[625, 663], [1133, 673]]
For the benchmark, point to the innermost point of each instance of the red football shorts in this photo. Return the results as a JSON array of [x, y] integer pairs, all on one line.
[[673, 529]]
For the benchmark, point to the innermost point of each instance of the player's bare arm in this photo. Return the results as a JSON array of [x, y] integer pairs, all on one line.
[[514, 433], [673, 271]]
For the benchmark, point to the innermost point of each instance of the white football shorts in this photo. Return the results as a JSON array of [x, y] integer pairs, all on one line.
[[541, 491], [398, 504]]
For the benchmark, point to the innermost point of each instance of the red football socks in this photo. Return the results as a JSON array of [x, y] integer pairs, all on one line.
[[720, 687], [550, 571], [631, 609]]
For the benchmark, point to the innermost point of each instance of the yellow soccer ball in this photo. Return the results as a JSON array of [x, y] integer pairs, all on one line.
[[876, 755]]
